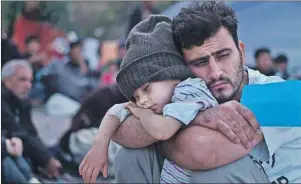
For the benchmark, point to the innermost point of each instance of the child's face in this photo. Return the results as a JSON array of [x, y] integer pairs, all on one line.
[[155, 95]]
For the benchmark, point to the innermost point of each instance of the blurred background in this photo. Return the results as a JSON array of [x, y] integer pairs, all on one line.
[[76, 47]]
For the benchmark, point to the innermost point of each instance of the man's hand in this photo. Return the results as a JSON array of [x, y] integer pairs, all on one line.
[[17, 145], [53, 167], [9, 147], [233, 120], [82, 64], [14, 146]]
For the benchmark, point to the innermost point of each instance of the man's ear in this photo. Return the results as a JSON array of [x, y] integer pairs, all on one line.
[[6, 81], [241, 46]]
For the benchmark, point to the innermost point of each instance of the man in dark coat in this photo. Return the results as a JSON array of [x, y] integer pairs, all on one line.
[[16, 115]]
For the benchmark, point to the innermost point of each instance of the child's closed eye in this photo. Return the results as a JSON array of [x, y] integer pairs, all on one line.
[[146, 87]]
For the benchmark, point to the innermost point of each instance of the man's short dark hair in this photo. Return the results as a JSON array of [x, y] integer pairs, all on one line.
[[31, 38], [76, 43], [202, 20], [260, 51], [281, 58]]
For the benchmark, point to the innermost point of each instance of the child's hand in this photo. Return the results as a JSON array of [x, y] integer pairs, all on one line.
[[138, 111], [95, 161]]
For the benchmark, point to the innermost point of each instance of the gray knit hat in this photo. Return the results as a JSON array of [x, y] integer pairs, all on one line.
[[151, 56]]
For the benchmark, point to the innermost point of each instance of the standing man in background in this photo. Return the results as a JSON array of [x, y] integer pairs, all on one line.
[[141, 12]]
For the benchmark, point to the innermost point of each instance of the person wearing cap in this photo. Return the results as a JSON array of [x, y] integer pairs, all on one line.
[[154, 78]]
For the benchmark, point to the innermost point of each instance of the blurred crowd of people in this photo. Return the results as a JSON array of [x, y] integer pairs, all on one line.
[[26, 73], [269, 65], [69, 74]]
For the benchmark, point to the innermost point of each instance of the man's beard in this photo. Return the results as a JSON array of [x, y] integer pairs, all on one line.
[[236, 83]]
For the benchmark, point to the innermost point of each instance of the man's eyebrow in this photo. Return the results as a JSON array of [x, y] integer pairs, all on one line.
[[221, 51], [198, 59]]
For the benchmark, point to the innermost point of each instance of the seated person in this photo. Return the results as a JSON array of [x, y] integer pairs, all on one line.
[[37, 59], [15, 169], [16, 116], [90, 114], [73, 78]]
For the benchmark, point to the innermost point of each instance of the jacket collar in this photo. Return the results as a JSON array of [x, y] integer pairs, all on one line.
[[12, 100]]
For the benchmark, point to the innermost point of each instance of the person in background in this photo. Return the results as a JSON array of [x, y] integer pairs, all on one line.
[[36, 58], [281, 62], [141, 12], [16, 116], [26, 23], [9, 50], [121, 51], [89, 116], [32, 53], [108, 77], [77, 60], [264, 63], [15, 169], [73, 78]]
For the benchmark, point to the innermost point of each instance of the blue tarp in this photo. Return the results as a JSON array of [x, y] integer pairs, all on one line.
[[274, 104], [276, 25]]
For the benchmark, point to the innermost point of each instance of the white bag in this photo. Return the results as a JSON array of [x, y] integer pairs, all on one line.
[[60, 105]]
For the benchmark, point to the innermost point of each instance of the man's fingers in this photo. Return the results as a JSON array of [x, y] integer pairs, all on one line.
[[249, 132], [243, 138], [241, 134], [227, 131], [242, 125], [249, 117], [94, 175]]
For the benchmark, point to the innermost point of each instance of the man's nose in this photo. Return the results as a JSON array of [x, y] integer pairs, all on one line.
[[29, 84], [214, 70]]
